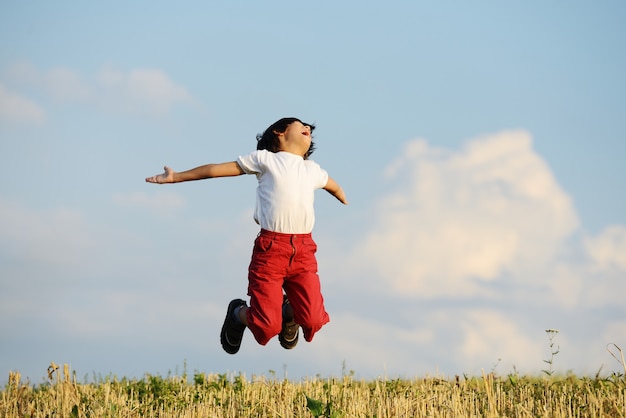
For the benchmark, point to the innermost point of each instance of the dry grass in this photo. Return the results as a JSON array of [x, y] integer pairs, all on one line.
[[218, 395]]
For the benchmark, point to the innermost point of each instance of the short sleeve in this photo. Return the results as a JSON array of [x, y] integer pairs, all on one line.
[[321, 176], [250, 163]]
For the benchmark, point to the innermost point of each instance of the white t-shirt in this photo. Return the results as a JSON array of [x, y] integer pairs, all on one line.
[[284, 197]]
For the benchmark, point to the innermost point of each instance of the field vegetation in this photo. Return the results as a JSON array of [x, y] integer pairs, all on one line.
[[220, 395]]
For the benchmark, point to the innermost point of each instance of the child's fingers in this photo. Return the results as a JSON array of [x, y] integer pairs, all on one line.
[[154, 179]]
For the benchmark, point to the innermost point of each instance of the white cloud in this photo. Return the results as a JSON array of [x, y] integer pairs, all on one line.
[[604, 285], [15, 108], [566, 284], [608, 249], [462, 218], [373, 346], [143, 91], [67, 85], [489, 336], [483, 248], [443, 340], [58, 83], [155, 85]]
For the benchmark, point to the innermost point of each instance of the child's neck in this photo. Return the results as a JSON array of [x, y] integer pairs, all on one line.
[[299, 154]]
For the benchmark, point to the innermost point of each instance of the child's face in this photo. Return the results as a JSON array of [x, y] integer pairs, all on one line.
[[296, 138]]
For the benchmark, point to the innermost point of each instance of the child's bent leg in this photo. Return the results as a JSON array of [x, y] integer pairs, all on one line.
[[265, 315], [306, 299], [304, 291], [265, 280]]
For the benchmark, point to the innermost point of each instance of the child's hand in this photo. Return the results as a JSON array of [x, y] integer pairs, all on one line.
[[167, 177]]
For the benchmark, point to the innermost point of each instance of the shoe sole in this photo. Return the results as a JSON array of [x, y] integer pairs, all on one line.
[[284, 342], [289, 344], [230, 324]]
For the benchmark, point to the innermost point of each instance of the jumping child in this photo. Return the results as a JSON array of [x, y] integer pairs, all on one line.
[[283, 257]]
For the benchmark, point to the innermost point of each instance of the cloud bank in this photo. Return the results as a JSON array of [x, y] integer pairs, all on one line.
[[475, 252], [139, 91], [15, 108], [459, 220]]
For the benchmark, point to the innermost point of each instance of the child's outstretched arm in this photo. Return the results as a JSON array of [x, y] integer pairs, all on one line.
[[335, 189], [207, 171]]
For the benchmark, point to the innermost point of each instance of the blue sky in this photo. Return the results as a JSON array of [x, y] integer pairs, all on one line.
[[481, 146]]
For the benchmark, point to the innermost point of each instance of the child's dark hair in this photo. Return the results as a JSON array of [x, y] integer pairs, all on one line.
[[268, 140]]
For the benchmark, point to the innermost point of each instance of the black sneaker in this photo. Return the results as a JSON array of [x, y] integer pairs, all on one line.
[[288, 336], [232, 330]]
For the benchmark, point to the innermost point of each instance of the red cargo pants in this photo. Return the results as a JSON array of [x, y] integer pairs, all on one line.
[[284, 261]]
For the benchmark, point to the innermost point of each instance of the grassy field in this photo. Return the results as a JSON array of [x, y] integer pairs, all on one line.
[[220, 395]]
